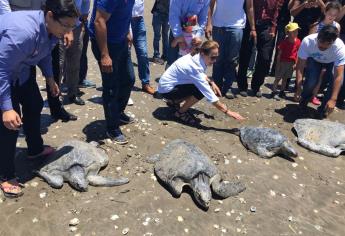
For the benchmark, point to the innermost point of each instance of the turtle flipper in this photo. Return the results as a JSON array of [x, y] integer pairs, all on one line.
[[97, 180], [55, 181], [226, 189], [264, 153], [153, 159], [319, 148]]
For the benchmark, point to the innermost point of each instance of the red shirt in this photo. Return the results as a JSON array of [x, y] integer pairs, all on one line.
[[289, 50]]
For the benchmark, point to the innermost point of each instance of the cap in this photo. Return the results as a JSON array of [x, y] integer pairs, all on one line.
[[292, 26]]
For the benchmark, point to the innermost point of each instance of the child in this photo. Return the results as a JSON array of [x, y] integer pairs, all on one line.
[[286, 59], [189, 27]]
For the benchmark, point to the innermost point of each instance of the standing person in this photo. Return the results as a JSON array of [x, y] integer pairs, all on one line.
[[26, 40], [226, 24], [320, 51], [140, 45], [266, 14], [305, 13], [70, 56], [179, 10], [57, 110], [341, 20], [186, 81], [110, 48], [286, 59], [160, 24]]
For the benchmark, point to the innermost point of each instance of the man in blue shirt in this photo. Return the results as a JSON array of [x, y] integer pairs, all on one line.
[[109, 29], [180, 9], [26, 40]]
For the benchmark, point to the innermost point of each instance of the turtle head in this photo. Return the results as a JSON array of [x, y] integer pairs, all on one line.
[[288, 150], [201, 190], [77, 178]]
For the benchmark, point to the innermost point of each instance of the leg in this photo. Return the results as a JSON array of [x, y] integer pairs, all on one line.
[[156, 24], [219, 66], [233, 46], [97, 180], [140, 45], [83, 57], [226, 189], [312, 73], [165, 36], [329, 79], [32, 114], [55, 181], [265, 45], [245, 54], [72, 64]]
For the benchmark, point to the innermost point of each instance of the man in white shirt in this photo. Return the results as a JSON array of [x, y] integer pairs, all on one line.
[[320, 51], [140, 45]]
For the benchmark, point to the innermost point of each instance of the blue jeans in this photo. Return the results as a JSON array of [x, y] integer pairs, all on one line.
[[229, 40], [140, 45], [117, 85], [312, 75], [160, 24]]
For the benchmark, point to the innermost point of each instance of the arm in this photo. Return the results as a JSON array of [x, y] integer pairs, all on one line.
[[278, 5], [174, 17], [202, 20], [297, 7], [4, 7], [250, 16], [47, 70], [208, 32], [223, 108], [301, 63], [313, 28], [291, 3], [338, 79], [101, 36]]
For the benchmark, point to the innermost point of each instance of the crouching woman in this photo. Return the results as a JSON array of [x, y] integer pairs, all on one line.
[[185, 81]]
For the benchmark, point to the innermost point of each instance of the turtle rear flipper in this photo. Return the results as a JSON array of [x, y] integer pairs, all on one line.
[[226, 189], [97, 180]]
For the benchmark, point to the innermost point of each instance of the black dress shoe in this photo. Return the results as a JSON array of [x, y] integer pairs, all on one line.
[[77, 100], [64, 116]]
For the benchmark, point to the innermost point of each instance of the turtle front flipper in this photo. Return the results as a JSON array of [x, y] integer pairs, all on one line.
[[264, 153], [226, 189], [97, 180], [55, 181], [319, 148]]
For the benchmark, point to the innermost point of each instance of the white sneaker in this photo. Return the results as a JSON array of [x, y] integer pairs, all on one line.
[[130, 102]]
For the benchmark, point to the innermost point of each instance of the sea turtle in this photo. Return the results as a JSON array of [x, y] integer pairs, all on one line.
[[321, 136], [265, 142], [181, 163], [77, 163]]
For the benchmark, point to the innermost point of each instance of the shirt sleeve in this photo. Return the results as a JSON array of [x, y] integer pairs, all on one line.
[[85, 7], [202, 19], [303, 50], [341, 57], [4, 7], [12, 53], [201, 83], [174, 17], [106, 5], [46, 66]]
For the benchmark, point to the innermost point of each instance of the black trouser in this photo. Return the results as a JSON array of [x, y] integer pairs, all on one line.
[[83, 58], [183, 91], [55, 105], [29, 97], [265, 44]]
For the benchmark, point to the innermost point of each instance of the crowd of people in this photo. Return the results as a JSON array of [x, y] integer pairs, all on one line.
[[305, 37]]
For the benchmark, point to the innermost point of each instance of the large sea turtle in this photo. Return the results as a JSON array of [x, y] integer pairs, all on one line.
[[78, 163], [321, 136], [181, 163], [265, 142]]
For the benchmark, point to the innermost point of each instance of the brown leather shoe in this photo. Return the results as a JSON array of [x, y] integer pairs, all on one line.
[[148, 89]]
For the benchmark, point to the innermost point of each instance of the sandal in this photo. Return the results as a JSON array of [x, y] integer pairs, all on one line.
[[11, 188], [47, 150], [173, 104], [187, 118]]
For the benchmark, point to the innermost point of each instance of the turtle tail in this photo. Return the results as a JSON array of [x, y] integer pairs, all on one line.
[[235, 131], [97, 180]]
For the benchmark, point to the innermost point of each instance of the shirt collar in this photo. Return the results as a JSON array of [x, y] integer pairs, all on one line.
[[199, 60], [43, 29]]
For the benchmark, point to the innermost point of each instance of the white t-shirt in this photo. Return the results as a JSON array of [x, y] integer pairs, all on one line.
[[4, 7], [187, 70], [229, 13], [309, 48], [138, 8]]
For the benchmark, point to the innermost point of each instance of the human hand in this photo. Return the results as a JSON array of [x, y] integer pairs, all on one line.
[[54, 88], [196, 42], [106, 64], [129, 39], [11, 119], [177, 41], [216, 89], [253, 35], [330, 107], [68, 39], [235, 115], [208, 31]]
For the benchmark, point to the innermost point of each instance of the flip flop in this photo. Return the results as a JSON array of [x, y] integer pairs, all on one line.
[[12, 189]]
